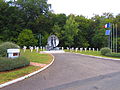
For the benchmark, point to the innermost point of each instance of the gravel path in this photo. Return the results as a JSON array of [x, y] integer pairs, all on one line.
[[72, 72]]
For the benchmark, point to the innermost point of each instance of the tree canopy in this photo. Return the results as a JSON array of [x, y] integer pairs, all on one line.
[[35, 16]]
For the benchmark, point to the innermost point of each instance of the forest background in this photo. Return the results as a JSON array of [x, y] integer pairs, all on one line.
[[31, 22]]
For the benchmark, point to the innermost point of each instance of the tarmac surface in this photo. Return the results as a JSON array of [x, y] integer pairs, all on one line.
[[74, 72]]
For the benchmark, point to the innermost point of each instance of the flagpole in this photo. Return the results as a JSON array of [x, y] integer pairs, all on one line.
[[113, 39], [116, 38]]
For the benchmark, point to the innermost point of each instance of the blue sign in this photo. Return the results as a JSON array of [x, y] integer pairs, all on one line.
[[107, 32]]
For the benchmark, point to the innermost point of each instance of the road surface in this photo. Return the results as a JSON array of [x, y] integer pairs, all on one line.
[[74, 72]]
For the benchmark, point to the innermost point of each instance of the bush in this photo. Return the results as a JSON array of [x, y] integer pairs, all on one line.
[[105, 51], [10, 64], [5, 46], [113, 55]]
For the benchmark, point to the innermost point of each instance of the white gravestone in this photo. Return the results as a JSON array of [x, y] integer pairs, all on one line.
[[13, 53], [93, 49]]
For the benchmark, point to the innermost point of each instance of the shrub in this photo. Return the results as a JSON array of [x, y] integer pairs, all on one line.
[[10, 64], [5, 46], [113, 55], [105, 51]]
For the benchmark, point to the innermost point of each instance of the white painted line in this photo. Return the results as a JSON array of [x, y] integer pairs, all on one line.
[[27, 76]]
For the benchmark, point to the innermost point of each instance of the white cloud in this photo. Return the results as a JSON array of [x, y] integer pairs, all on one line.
[[85, 7]]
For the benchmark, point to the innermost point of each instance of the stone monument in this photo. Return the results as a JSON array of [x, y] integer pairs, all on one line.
[[52, 43]]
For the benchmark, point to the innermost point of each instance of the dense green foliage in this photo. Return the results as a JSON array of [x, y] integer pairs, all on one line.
[[105, 51], [26, 38], [36, 15], [113, 55], [10, 64], [5, 46]]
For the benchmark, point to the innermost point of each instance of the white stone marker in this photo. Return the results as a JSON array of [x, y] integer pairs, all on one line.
[[97, 49], [62, 48], [24, 48], [89, 49], [31, 49], [76, 49], [81, 49], [37, 49], [93, 49], [85, 49]]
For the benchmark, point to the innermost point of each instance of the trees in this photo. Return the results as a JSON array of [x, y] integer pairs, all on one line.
[[26, 38], [71, 30]]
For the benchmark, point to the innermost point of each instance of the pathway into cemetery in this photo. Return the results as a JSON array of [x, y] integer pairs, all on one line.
[[74, 72]]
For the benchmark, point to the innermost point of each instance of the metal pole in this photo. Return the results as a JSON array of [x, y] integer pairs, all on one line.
[[116, 38], [40, 39], [113, 39]]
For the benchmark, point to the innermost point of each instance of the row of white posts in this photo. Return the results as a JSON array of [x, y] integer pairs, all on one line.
[[32, 48], [70, 49], [82, 49]]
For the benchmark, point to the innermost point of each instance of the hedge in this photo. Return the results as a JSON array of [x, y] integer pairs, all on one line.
[[10, 64], [113, 55], [5, 46]]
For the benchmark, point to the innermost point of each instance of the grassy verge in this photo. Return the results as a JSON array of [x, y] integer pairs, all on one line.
[[33, 57], [11, 75], [36, 57], [93, 53]]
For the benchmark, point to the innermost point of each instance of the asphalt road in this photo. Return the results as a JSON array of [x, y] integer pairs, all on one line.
[[74, 72]]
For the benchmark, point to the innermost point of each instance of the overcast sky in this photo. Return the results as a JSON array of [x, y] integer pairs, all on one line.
[[85, 7]]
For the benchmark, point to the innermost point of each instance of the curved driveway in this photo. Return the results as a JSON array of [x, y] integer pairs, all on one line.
[[73, 72]]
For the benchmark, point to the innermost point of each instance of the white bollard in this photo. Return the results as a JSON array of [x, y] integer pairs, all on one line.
[[97, 49], [76, 49], [81, 49], [85, 49], [31, 49], [41, 47], [24, 48], [37, 49], [93, 49], [89, 49], [67, 48], [62, 48]]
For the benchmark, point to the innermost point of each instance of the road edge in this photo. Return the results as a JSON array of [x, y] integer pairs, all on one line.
[[99, 57], [27, 76]]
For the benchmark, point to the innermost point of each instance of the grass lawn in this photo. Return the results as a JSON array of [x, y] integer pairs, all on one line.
[[93, 53], [14, 74], [37, 57], [33, 57]]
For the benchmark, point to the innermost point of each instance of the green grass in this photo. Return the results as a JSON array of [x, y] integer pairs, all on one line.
[[33, 57], [93, 53], [37, 57], [11, 75]]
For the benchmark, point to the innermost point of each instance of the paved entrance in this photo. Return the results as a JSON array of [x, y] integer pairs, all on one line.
[[73, 72]]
